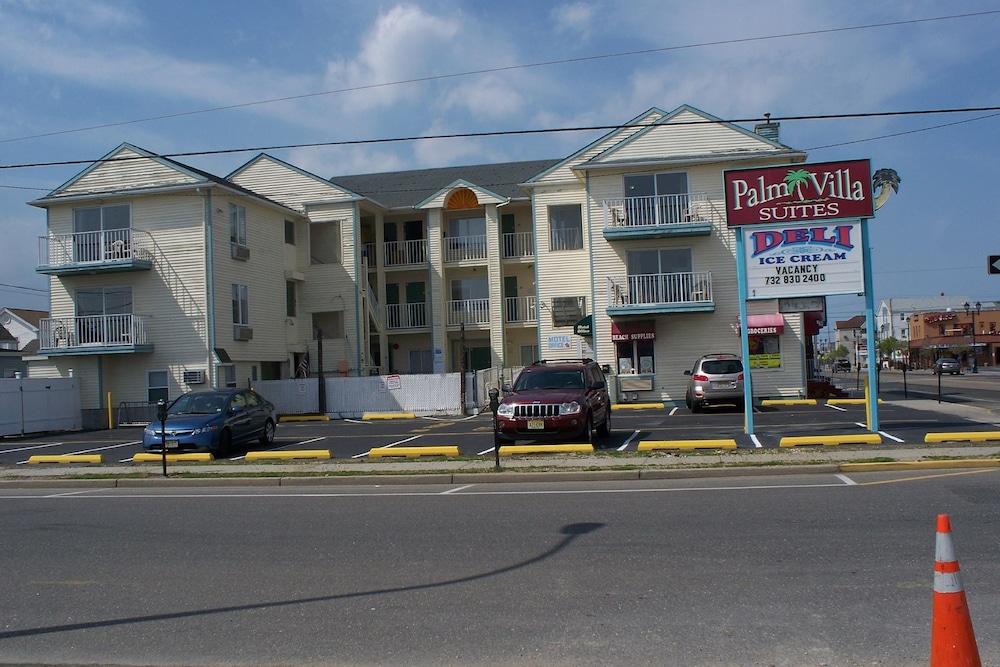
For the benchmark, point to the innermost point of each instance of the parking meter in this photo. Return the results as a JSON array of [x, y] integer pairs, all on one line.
[[494, 406], [161, 415]]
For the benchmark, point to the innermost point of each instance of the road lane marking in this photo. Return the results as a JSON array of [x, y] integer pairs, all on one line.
[[486, 451], [755, 441], [918, 478], [845, 479], [630, 439], [70, 493], [891, 437], [391, 444], [455, 490], [835, 407], [672, 411]]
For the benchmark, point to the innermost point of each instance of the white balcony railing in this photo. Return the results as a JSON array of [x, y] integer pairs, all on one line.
[[92, 331], [405, 315], [661, 289], [657, 210], [518, 244], [462, 248], [368, 252], [403, 253], [469, 311], [520, 309], [109, 245]]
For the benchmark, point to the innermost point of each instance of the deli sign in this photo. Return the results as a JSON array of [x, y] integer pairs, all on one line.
[[799, 193]]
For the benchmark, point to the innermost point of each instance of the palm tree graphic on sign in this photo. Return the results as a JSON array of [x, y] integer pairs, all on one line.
[[795, 179]]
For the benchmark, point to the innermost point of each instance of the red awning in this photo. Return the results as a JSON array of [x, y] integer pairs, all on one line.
[[771, 324], [626, 331]]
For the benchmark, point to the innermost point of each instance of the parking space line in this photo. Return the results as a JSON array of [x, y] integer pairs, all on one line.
[[486, 451], [97, 449], [835, 407], [755, 441], [391, 444], [861, 424], [455, 490], [891, 437], [630, 439], [358, 421], [672, 411], [845, 479], [24, 449], [303, 442]]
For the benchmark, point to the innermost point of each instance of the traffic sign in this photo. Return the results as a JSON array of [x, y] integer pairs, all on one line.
[[993, 266]]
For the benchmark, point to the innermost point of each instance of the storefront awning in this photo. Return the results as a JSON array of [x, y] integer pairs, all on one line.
[[625, 331], [771, 324]]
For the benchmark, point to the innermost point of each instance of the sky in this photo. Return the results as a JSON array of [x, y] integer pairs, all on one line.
[[71, 64]]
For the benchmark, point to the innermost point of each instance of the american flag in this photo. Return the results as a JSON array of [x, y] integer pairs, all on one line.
[[302, 370]]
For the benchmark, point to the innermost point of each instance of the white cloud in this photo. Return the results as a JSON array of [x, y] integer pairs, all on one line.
[[574, 17], [344, 160], [87, 15], [446, 152]]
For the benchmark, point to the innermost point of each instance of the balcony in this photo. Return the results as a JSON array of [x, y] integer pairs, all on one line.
[[465, 249], [470, 312], [518, 245], [688, 214], [405, 316], [368, 253], [106, 251], [661, 293], [405, 253], [94, 334], [520, 310]]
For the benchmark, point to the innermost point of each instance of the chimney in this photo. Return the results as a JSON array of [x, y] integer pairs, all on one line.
[[767, 129]]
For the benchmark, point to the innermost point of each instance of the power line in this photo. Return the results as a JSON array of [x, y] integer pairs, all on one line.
[[507, 68], [24, 287], [905, 132], [497, 133]]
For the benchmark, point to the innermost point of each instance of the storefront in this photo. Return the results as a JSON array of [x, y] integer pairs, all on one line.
[[765, 342], [635, 356]]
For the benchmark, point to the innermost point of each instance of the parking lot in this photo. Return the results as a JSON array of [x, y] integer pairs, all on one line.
[[352, 439]]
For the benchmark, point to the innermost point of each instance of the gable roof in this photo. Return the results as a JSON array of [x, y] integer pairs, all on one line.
[[261, 156], [856, 322], [32, 317], [407, 189]]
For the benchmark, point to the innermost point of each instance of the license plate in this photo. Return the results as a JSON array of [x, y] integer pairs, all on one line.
[[173, 444], [536, 424], [724, 385]]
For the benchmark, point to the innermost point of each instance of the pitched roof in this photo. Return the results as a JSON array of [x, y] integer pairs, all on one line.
[[406, 189], [32, 317], [856, 322]]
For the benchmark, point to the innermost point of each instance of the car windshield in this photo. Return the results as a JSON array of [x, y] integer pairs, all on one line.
[[198, 404], [722, 366], [549, 379]]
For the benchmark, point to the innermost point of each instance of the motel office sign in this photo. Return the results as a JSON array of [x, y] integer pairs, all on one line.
[[801, 233]]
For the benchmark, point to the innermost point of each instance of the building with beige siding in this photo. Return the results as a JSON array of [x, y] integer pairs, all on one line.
[[165, 278]]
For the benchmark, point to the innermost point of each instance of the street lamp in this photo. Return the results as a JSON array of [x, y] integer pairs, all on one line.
[[974, 310]]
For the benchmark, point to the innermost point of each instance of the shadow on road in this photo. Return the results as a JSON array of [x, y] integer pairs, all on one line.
[[570, 532]]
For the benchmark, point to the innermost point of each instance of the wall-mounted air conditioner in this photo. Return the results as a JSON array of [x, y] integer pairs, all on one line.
[[194, 377], [242, 333], [240, 252]]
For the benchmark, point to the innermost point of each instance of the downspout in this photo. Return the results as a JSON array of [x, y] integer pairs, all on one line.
[[355, 225], [209, 286]]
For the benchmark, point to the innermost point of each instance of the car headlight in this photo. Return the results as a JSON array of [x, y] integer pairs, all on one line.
[[569, 408], [505, 410], [149, 430], [205, 429]]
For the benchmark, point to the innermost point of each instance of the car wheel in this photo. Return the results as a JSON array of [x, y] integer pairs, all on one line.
[[267, 435], [588, 431], [604, 430], [697, 406], [225, 443], [687, 401]]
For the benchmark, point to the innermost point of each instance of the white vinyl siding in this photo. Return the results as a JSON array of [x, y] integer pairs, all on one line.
[[241, 305], [287, 186], [127, 174]]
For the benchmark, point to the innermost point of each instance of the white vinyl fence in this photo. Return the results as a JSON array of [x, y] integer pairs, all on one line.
[[34, 405], [291, 397]]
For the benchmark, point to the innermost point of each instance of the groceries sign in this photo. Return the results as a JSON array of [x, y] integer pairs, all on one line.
[[799, 193]]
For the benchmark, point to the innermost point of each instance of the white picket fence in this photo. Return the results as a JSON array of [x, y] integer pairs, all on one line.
[[35, 405]]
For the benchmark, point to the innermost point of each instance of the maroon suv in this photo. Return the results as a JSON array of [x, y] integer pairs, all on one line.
[[556, 399]]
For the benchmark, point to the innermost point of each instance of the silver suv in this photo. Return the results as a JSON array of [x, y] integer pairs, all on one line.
[[715, 378]]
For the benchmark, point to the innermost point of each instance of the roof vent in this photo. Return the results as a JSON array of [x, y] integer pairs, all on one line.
[[767, 129]]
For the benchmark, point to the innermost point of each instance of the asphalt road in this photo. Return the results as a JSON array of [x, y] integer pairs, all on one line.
[[352, 438], [789, 570], [982, 389]]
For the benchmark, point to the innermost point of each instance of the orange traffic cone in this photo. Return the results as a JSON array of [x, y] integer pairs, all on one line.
[[953, 643]]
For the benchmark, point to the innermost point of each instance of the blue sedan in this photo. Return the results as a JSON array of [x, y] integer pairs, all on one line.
[[213, 421]]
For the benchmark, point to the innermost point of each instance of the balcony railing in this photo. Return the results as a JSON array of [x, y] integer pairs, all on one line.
[[566, 238], [661, 289], [630, 212], [520, 309], [462, 248], [404, 253], [108, 246], [93, 331], [368, 252], [469, 311], [405, 315], [518, 244]]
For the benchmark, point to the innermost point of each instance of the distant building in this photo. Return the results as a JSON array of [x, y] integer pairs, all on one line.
[[950, 334], [891, 316], [851, 334], [18, 338]]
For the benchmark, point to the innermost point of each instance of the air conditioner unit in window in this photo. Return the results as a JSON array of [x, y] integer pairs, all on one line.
[[194, 377], [242, 333], [240, 252]]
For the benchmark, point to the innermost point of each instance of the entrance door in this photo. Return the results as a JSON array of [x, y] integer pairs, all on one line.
[[416, 294], [479, 358], [413, 230], [672, 191]]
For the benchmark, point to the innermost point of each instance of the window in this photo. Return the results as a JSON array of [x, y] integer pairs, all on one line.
[[421, 361], [331, 323], [241, 305], [529, 354], [252, 399], [463, 289], [324, 242], [271, 370], [550, 379], [659, 261], [157, 386], [765, 352], [467, 227], [662, 276], [238, 401], [100, 218], [103, 316], [566, 227], [237, 224], [226, 375], [635, 356], [652, 199], [289, 232], [290, 309]]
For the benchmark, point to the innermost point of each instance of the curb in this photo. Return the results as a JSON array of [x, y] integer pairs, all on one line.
[[371, 416], [517, 450], [450, 451], [830, 440], [654, 445], [303, 418], [966, 436], [636, 406], [919, 465]]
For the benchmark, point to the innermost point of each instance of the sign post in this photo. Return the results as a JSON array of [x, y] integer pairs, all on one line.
[[741, 281], [871, 391]]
